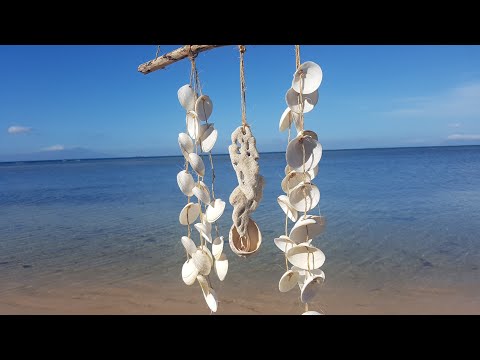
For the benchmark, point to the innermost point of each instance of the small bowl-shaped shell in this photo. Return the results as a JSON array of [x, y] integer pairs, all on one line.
[[185, 182], [283, 243], [201, 130], [193, 124], [288, 281], [307, 228], [310, 133], [311, 312], [189, 213], [307, 78], [200, 190], [202, 262], [215, 210], [189, 272], [197, 164], [292, 179], [311, 286], [205, 230], [293, 101], [217, 247], [306, 257], [301, 275], [221, 267], [250, 244], [287, 119], [186, 144], [294, 154], [304, 196], [208, 293], [189, 245], [208, 138], [287, 208], [186, 97], [205, 249], [203, 107]]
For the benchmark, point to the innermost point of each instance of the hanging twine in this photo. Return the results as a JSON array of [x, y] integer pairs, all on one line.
[[297, 55], [242, 50]]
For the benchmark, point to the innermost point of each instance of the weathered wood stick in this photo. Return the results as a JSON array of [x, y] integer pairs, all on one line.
[[181, 53]]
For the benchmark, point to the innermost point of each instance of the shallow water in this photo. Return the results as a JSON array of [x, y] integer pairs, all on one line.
[[396, 219]]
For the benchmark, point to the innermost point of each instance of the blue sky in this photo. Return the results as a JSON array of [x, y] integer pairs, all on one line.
[[92, 97]]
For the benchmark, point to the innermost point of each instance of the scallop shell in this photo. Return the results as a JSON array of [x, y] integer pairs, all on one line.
[[288, 281], [208, 138], [311, 312], [221, 267], [250, 245], [189, 272], [217, 247], [203, 107], [293, 101], [186, 97], [200, 190], [186, 144], [193, 124], [202, 262], [208, 293], [197, 164], [189, 245], [304, 196], [287, 208], [311, 286], [288, 117], [205, 230], [292, 179], [189, 213], [312, 77], [215, 210], [307, 226], [185, 182], [306, 257], [294, 155], [284, 243]]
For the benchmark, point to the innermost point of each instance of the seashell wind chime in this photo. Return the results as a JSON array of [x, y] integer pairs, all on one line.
[[200, 137], [303, 155]]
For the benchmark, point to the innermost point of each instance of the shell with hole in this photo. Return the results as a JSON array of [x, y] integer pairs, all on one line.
[[287, 208], [295, 149], [208, 293], [186, 97], [186, 145], [284, 243], [205, 230], [221, 267], [304, 197], [306, 228], [311, 286], [217, 247], [197, 164], [248, 245], [294, 103], [189, 245], [307, 78], [185, 182], [200, 190], [202, 262], [208, 138], [306, 257], [293, 178], [193, 124], [189, 213], [215, 210], [189, 272], [288, 281], [204, 107], [287, 119]]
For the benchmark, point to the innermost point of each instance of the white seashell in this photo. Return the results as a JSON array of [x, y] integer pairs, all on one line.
[[217, 247], [189, 272], [202, 262], [186, 96], [208, 138], [208, 293], [306, 257], [201, 130], [292, 179], [215, 210], [207, 251], [293, 101], [311, 75], [304, 196], [203, 107], [310, 133], [306, 228], [288, 281], [284, 243], [189, 245], [189, 213], [193, 124], [201, 192], [205, 230], [311, 286], [311, 312], [245, 247], [312, 172], [294, 154], [288, 117], [186, 144], [221, 267], [287, 208], [185, 182], [301, 275], [197, 164]]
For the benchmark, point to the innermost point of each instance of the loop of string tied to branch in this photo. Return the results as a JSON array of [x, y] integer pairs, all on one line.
[[242, 50]]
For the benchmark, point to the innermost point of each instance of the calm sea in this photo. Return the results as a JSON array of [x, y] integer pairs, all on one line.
[[395, 218]]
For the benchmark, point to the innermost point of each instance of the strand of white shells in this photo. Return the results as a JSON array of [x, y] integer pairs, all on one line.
[[303, 155], [200, 259]]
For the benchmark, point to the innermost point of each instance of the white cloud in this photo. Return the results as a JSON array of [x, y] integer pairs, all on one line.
[[455, 125], [464, 137], [54, 148], [15, 129]]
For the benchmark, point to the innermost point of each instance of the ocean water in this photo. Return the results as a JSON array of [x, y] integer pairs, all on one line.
[[396, 218]]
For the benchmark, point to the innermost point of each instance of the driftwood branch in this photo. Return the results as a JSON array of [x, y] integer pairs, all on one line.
[[181, 53]]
